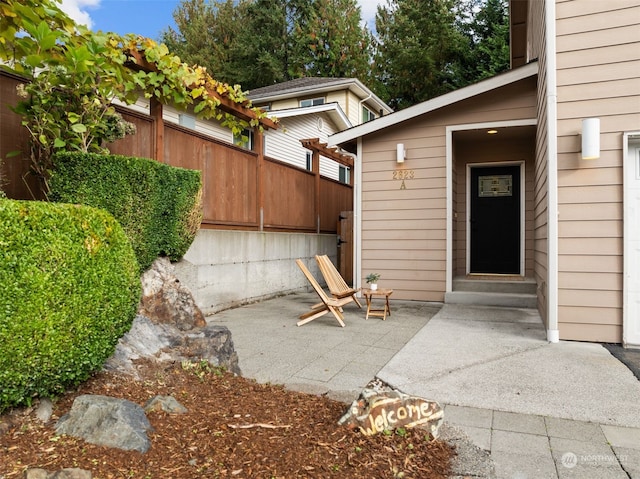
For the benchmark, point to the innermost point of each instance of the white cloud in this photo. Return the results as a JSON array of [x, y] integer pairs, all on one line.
[[76, 9], [369, 9]]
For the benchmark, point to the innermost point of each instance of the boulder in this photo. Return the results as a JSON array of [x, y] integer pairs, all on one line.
[[170, 327], [168, 404], [164, 342], [381, 408], [166, 301], [107, 421], [213, 344]]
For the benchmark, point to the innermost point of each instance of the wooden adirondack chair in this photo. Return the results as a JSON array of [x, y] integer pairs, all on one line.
[[335, 282], [328, 305]]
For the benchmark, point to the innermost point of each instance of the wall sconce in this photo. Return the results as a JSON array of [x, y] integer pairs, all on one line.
[[401, 153], [591, 138]]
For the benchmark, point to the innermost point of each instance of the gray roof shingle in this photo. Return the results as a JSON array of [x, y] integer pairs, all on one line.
[[298, 84]]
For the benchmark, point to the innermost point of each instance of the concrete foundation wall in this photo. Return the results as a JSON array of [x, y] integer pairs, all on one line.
[[225, 269]]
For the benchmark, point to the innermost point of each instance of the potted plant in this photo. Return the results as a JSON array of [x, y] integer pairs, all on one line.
[[372, 279]]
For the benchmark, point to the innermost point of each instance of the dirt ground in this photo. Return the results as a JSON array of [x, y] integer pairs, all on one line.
[[234, 427]]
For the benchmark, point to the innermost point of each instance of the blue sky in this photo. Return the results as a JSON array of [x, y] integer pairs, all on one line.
[[145, 17]]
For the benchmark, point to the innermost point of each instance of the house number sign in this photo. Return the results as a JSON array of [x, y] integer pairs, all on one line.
[[403, 175]]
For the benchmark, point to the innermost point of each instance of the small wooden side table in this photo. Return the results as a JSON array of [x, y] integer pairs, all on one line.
[[386, 309]]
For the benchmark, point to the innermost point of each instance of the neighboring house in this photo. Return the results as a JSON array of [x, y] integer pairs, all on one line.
[[315, 107], [304, 123], [492, 191], [358, 102]]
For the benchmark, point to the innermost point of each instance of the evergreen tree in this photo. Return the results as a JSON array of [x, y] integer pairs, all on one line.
[[270, 48], [488, 37], [261, 42], [416, 50], [422, 48], [337, 44], [207, 34]]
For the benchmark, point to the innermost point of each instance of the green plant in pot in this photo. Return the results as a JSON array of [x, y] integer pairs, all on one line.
[[372, 280]]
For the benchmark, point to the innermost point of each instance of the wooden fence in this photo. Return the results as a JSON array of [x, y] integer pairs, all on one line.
[[242, 188]]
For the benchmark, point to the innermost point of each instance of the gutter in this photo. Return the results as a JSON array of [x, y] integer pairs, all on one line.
[[553, 332], [360, 107]]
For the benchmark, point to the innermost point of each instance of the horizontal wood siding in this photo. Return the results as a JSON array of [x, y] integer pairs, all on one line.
[[210, 128], [284, 143], [342, 98], [284, 104], [598, 58], [404, 206]]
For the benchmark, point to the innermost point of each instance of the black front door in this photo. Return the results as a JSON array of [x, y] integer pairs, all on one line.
[[495, 220]]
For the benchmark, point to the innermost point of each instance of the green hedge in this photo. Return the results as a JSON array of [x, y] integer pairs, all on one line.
[[157, 205], [69, 289]]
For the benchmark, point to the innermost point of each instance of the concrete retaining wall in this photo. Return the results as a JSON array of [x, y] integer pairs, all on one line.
[[224, 269]]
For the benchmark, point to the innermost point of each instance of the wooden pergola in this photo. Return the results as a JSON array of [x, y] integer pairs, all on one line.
[[239, 110], [321, 149]]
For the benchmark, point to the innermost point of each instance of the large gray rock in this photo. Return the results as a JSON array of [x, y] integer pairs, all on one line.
[[170, 327], [107, 421], [164, 342], [213, 344], [166, 301]]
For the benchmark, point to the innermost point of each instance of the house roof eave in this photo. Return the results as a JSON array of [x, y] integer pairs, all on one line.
[[332, 109], [498, 81]]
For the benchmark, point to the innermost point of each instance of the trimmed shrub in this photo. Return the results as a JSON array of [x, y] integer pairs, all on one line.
[[157, 205], [69, 289]]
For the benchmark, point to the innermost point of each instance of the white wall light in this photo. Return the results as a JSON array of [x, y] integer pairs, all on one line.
[[401, 153], [591, 138]]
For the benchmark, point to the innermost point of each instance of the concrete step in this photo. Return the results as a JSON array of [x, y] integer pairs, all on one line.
[[520, 286], [479, 298]]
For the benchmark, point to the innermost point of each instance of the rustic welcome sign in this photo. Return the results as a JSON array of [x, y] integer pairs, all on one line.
[[375, 412]]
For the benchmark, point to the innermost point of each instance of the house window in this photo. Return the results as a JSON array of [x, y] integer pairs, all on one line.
[[266, 107], [186, 120], [344, 174], [367, 115], [312, 102], [244, 140], [309, 160]]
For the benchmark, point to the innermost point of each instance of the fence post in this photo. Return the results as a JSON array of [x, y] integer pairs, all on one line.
[[155, 108], [258, 147], [316, 171]]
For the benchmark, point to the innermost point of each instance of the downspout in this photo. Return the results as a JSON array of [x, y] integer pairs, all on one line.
[[357, 217], [360, 109], [553, 333]]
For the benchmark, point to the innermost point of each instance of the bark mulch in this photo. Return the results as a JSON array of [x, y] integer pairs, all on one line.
[[235, 427]]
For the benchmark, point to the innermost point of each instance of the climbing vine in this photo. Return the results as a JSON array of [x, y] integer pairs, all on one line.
[[76, 74]]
